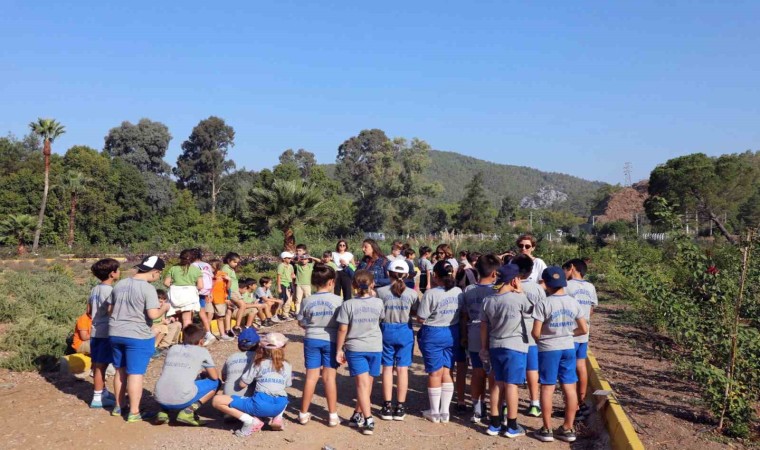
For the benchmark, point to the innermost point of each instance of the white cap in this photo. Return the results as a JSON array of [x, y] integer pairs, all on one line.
[[284, 255], [274, 340], [398, 266]]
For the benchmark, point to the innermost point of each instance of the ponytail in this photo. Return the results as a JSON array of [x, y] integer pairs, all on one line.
[[397, 283], [186, 257], [363, 282], [445, 272]]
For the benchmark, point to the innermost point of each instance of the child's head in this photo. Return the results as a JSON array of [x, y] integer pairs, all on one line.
[[197, 254], [363, 282], [301, 249], [286, 257], [232, 259], [248, 340], [525, 263], [326, 257], [554, 279], [265, 282], [575, 267], [321, 275], [425, 251], [409, 253], [273, 348], [215, 264], [396, 248], [472, 257], [487, 265], [247, 285], [193, 334], [443, 272], [106, 269], [162, 296], [397, 271], [187, 257], [150, 268], [508, 274], [464, 255]]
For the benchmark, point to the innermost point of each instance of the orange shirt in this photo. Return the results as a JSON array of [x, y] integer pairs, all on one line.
[[220, 288], [84, 322]]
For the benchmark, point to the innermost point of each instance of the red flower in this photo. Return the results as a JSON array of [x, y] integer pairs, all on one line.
[[712, 270]]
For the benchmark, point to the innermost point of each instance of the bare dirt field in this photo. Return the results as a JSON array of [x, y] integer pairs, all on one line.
[[50, 410]]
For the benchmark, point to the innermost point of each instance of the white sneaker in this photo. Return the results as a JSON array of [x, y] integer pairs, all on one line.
[[226, 338], [444, 417], [334, 420], [210, 339], [435, 418], [276, 319], [304, 418]]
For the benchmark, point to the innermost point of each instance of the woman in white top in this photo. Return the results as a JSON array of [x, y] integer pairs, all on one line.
[[526, 244], [343, 260]]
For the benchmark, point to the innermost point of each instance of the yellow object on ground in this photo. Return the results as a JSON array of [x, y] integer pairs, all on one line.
[[78, 363]]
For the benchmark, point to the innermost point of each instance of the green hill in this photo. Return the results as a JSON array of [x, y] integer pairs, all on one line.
[[453, 171]]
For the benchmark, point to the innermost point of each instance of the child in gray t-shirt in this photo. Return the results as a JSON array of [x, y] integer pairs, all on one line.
[[238, 363], [177, 387]]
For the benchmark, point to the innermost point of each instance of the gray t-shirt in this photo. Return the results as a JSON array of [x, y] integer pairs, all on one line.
[[558, 314], [131, 299], [233, 369], [473, 304], [440, 308], [425, 265], [176, 385], [504, 315], [585, 293], [100, 298], [318, 316], [363, 316], [268, 380], [397, 309], [262, 293], [535, 294]]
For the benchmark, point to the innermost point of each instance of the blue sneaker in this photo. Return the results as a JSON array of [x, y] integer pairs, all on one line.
[[515, 432], [493, 431]]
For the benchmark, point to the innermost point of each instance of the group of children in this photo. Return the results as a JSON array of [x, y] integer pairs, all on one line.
[[489, 311]]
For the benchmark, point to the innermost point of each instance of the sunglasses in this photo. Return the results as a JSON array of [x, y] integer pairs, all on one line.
[[525, 246], [341, 245]]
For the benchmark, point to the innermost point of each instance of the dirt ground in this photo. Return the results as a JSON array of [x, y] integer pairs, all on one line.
[[50, 410]]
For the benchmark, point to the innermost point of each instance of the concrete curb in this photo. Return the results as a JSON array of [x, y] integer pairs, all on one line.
[[622, 434]]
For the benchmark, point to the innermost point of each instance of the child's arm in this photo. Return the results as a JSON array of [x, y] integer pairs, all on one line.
[[342, 332], [213, 374], [484, 340], [168, 281], [199, 283], [155, 313], [536, 331], [582, 327], [84, 335]]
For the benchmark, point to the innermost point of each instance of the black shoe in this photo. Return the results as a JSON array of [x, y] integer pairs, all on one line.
[[461, 408], [356, 421], [386, 413], [399, 412], [230, 333], [369, 427], [237, 330], [268, 323], [565, 435]]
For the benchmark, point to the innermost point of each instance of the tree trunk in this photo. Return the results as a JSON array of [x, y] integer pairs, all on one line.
[[72, 218], [213, 198], [289, 244], [41, 217], [721, 227]]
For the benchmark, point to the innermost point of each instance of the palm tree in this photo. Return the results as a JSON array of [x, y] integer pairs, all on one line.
[[48, 130], [74, 184], [17, 229], [287, 204]]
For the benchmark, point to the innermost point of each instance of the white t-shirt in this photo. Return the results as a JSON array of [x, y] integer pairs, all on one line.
[[538, 268], [346, 256]]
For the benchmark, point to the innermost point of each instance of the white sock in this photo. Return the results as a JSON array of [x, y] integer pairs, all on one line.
[[97, 396], [477, 407], [434, 396], [447, 393], [535, 403], [246, 419]]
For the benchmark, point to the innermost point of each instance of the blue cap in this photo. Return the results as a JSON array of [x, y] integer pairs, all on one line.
[[507, 273], [554, 277], [248, 338]]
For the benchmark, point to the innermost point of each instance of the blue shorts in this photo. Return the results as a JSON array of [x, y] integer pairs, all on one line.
[[364, 362], [475, 360], [398, 344], [100, 351], [581, 350], [132, 353], [557, 365], [532, 358], [437, 347], [202, 301], [260, 405], [508, 365], [204, 386], [319, 353]]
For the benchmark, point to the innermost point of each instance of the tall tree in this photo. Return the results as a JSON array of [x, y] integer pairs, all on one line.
[[286, 205], [507, 210], [143, 145], [203, 162], [48, 130], [474, 209], [74, 183], [17, 229], [304, 160]]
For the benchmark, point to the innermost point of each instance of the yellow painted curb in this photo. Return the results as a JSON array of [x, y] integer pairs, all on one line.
[[622, 434]]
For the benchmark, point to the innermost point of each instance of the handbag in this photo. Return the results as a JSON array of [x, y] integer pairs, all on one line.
[[183, 296]]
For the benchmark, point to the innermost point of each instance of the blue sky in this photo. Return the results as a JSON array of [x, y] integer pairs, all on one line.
[[574, 87]]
